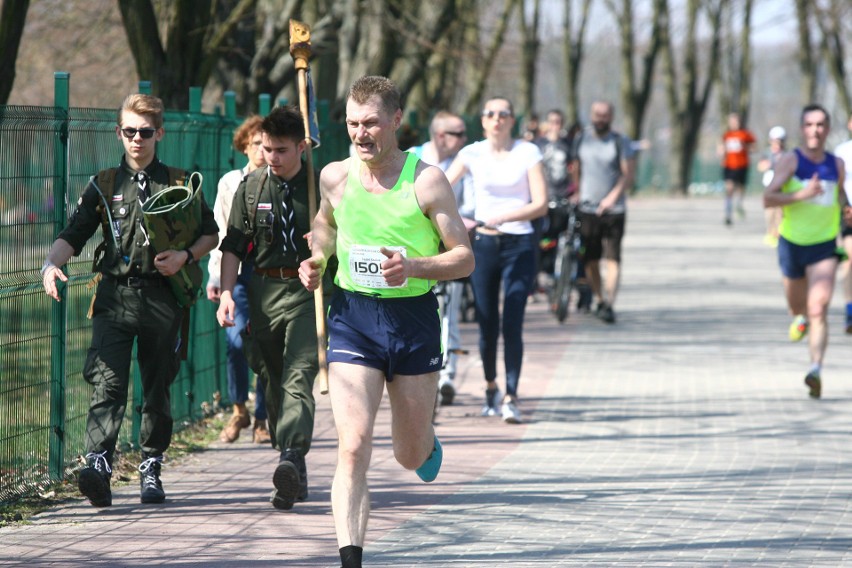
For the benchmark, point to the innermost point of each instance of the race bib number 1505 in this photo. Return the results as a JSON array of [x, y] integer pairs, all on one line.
[[365, 266]]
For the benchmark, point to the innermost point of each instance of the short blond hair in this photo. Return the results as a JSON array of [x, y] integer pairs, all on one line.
[[365, 88], [144, 105]]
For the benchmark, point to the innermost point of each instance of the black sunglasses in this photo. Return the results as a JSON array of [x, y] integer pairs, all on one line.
[[130, 133], [498, 113], [459, 134]]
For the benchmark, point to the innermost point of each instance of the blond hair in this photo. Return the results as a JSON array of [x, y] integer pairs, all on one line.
[[144, 105], [365, 88]]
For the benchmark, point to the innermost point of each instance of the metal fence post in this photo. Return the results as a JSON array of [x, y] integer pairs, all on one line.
[[56, 444], [230, 104], [195, 99], [264, 104]]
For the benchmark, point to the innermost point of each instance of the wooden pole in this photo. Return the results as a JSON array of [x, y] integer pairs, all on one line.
[[300, 49]]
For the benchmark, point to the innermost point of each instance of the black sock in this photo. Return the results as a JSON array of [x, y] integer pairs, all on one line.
[[350, 556]]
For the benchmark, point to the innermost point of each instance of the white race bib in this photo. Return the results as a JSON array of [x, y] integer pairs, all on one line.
[[826, 198], [365, 266]]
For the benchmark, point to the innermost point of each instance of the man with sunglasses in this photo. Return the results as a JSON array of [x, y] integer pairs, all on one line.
[[268, 226], [133, 301], [447, 135]]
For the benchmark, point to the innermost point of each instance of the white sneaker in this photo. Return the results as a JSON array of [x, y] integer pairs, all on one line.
[[447, 390], [491, 399], [511, 414]]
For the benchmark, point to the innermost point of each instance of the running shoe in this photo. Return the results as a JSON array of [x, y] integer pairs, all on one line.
[[510, 412], [814, 383], [447, 390], [491, 399], [430, 468], [798, 328]]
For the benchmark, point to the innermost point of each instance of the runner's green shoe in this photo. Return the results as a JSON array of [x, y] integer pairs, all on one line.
[[430, 468], [798, 328]]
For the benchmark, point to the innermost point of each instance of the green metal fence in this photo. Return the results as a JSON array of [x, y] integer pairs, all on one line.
[[46, 157]]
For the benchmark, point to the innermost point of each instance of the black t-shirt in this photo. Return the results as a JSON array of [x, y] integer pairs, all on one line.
[[556, 157]]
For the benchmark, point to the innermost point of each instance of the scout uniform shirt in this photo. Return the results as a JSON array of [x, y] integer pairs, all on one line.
[[127, 223], [268, 239]]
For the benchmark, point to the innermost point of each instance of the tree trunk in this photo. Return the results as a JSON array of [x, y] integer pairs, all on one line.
[[635, 97], [474, 99], [807, 59], [829, 20], [191, 50], [431, 22], [733, 79], [572, 48], [687, 99], [13, 16], [529, 57]]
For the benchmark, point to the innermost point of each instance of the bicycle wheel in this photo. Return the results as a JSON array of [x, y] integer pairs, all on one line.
[[564, 283]]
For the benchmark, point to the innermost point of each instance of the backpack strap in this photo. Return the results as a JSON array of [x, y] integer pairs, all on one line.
[[254, 185]]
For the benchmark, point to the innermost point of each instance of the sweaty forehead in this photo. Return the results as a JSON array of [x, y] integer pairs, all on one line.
[[361, 112]]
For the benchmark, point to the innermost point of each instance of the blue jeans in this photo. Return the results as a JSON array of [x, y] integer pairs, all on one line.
[[238, 368], [508, 260]]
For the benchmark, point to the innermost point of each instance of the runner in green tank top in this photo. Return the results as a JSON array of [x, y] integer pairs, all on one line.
[[383, 213], [805, 186]]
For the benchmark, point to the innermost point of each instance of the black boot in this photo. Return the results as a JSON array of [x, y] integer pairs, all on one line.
[[290, 480], [151, 486], [93, 480]]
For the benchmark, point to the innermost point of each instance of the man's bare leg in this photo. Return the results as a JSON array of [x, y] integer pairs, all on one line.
[[593, 274], [612, 278], [796, 292], [356, 392], [820, 278], [412, 400]]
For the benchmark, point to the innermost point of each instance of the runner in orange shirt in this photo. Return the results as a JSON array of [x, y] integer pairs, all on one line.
[[737, 142]]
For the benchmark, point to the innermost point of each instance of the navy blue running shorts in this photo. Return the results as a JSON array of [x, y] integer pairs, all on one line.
[[398, 336], [794, 259]]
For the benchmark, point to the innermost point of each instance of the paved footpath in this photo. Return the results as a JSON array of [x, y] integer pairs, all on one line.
[[681, 436]]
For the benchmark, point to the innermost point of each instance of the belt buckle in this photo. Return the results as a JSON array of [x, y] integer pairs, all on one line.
[[281, 273], [134, 281]]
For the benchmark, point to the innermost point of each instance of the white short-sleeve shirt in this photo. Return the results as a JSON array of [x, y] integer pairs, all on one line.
[[501, 185]]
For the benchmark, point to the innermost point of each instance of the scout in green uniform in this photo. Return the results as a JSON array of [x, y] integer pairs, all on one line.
[[133, 301], [268, 223]]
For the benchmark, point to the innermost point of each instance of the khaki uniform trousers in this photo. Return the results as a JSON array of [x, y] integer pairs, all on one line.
[[281, 346], [121, 314]]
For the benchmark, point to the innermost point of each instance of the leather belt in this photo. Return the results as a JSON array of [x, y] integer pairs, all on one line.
[[280, 272], [141, 282]]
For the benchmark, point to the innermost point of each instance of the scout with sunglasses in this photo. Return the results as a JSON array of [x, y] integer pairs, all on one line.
[[134, 302]]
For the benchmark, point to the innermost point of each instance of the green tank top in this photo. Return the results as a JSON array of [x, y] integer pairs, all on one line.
[[367, 221], [816, 220]]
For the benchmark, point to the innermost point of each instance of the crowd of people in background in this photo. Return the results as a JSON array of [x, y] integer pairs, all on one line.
[[399, 218]]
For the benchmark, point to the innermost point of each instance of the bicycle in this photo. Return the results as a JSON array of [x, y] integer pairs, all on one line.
[[566, 266]]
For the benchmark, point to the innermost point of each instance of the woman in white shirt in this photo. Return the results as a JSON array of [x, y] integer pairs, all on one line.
[[247, 140], [509, 191]]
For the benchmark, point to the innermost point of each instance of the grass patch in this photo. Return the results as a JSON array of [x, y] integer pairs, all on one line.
[[193, 438]]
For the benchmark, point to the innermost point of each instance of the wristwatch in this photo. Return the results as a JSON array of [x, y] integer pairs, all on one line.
[[189, 258]]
